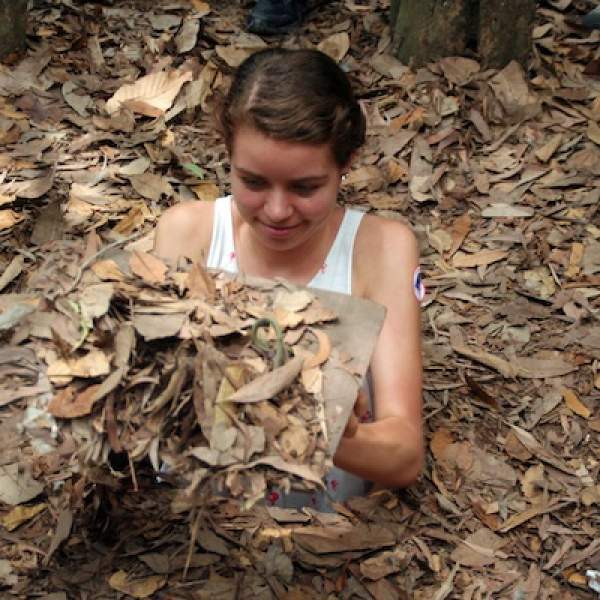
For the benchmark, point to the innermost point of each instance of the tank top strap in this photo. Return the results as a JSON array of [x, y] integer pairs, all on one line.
[[336, 273], [221, 254]]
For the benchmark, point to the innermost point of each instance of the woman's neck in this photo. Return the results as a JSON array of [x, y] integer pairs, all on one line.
[[298, 264]]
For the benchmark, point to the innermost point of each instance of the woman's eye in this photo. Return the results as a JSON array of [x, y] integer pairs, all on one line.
[[253, 184], [305, 190]]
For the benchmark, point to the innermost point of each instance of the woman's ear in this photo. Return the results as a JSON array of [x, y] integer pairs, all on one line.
[[351, 160]]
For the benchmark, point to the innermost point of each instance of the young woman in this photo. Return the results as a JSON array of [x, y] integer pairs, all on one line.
[[292, 127]]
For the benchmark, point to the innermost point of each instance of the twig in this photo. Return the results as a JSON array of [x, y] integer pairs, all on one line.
[[193, 535]]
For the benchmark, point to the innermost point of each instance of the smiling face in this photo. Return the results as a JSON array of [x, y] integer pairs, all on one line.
[[285, 191]]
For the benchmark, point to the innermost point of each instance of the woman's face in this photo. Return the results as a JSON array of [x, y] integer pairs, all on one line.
[[284, 190]]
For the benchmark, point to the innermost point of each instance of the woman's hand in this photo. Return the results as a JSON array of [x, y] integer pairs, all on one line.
[[361, 408]]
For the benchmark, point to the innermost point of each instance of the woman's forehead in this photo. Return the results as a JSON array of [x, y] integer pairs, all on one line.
[[254, 151]]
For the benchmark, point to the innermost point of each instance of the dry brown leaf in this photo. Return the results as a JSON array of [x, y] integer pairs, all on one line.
[[478, 549], [21, 514], [31, 189], [187, 36], [326, 540], [80, 103], [576, 405], [199, 283], [201, 8], [151, 95], [545, 152], [459, 231], [593, 132], [295, 441], [293, 301], [94, 301], [17, 485], [532, 482], [268, 385], [591, 495], [482, 258], [232, 55], [336, 45], [157, 326], [322, 353], [138, 588], [440, 440], [208, 191], [61, 533], [500, 209], [151, 186], [459, 70], [384, 564], [14, 269], [513, 91], [147, 266], [93, 364], [108, 270], [70, 404], [9, 218]]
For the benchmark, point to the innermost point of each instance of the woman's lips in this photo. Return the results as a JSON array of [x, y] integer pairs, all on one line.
[[279, 231]]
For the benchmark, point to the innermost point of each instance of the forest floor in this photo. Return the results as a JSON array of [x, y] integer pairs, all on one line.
[[498, 173]]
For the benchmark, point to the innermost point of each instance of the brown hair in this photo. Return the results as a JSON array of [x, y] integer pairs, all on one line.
[[294, 95]]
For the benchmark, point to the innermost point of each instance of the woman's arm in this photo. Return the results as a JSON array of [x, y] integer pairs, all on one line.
[[390, 451]]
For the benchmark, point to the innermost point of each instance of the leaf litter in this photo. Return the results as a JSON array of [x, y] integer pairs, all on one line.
[[125, 367]]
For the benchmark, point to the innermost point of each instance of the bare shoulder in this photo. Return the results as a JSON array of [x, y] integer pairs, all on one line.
[[386, 255], [185, 229]]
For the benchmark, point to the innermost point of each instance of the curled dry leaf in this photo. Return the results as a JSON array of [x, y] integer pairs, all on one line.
[[268, 385], [323, 351], [151, 95]]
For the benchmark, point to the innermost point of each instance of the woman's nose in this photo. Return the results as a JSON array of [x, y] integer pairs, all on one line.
[[277, 206]]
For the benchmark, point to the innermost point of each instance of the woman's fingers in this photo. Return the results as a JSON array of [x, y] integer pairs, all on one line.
[[351, 426], [361, 406]]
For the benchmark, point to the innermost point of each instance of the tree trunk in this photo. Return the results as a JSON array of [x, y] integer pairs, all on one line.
[[13, 21], [498, 30]]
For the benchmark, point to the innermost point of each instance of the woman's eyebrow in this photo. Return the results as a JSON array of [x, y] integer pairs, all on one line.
[[247, 173], [315, 179], [311, 179]]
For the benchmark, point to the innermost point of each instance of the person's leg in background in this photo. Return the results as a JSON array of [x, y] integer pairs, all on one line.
[[276, 16]]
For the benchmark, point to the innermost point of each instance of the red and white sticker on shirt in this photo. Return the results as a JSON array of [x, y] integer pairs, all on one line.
[[418, 285]]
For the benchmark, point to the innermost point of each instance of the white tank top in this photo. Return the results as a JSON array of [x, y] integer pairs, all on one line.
[[335, 276], [336, 273]]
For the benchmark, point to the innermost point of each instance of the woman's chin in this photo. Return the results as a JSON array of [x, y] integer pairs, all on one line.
[[280, 238]]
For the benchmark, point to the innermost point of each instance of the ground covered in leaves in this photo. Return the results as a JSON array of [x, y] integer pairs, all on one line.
[[106, 122]]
